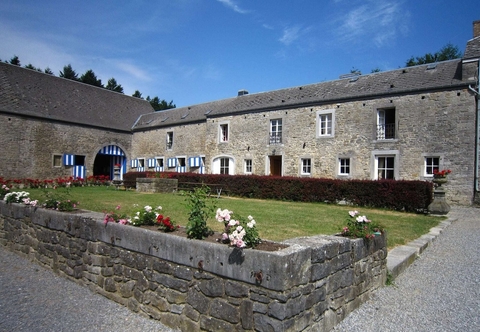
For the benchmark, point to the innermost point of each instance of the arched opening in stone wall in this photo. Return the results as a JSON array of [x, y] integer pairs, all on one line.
[[106, 158]]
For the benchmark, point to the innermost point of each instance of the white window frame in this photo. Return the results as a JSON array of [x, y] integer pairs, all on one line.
[[306, 166], [275, 131], [325, 117], [219, 167], [248, 166], [432, 165], [385, 153], [169, 140], [223, 132], [381, 129], [341, 166]]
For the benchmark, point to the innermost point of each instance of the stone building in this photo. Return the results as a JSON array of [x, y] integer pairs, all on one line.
[[54, 127], [399, 124]]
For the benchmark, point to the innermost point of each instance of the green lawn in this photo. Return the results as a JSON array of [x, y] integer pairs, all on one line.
[[276, 220]]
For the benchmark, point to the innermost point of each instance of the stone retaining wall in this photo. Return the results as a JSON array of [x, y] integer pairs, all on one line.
[[157, 185], [194, 285]]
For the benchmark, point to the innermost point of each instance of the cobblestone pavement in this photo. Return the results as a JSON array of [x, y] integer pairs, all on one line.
[[35, 299], [439, 292]]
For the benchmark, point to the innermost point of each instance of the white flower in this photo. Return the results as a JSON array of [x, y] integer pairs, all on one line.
[[158, 208], [232, 222], [353, 213], [148, 208]]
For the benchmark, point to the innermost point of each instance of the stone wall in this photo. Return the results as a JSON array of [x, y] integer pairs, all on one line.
[[438, 124], [28, 146], [157, 185], [194, 285]]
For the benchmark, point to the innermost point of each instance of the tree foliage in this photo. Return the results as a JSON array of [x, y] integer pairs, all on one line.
[[69, 73], [89, 77], [114, 86], [15, 61], [447, 52], [137, 94], [160, 105]]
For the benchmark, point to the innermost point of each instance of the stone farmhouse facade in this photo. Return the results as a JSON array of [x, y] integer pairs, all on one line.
[[400, 124]]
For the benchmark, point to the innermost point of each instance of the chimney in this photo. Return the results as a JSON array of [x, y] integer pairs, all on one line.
[[245, 92], [476, 29]]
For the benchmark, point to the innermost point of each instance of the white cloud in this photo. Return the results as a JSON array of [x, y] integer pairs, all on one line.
[[291, 34], [133, 70], [379, 21], [231, 4]]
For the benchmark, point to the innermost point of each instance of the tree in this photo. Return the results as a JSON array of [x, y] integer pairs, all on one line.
[[448, 52], [137, 94], [48, 71], [30, 66], [112, 85], [376, 70], [69, 73], [89, 77], [160, 105], [15, 61]]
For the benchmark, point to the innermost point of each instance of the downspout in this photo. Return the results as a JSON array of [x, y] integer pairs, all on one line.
[[477, 145]]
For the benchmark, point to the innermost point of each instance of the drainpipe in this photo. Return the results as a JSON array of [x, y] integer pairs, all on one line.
[[477, 145]]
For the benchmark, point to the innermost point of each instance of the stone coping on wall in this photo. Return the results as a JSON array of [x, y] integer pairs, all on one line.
[[279, 270]]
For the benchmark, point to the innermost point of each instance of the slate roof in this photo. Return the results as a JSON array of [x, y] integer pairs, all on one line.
[[472, 51], [31, 93], [443, 75]]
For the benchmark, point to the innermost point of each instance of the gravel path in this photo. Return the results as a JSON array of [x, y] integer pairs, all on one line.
[[439, 292], [35, 299]]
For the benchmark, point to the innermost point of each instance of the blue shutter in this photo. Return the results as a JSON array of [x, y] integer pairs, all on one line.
[[151, 162], [111, 150], [68, 159], [79, 172], [134, 163], [181, 169], [172, 162], [195, 161]]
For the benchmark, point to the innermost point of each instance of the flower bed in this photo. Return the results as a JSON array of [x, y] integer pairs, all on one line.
[[310, 285]]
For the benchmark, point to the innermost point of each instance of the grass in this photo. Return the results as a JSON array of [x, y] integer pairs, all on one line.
[[276, 220]]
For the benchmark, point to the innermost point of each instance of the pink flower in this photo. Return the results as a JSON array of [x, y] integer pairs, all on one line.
[[240, 244], [123, 221], [118, 207]]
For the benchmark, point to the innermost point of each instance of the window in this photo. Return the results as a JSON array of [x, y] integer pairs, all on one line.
[[248, 166], [275, 131], [224, 165], [385, 124], [385, 166], [431, 164], [344, 166], [159, 163], [169, 140], [57, 160], [326, 123], [306, 166], [224, 132], [141, 162]]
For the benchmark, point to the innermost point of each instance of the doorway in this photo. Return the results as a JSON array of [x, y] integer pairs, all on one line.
[[275, 165]]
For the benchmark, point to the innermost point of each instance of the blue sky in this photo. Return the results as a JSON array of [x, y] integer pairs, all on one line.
[[195, 51]]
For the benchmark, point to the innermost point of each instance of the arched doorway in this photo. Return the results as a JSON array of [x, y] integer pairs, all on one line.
[[106, 158]]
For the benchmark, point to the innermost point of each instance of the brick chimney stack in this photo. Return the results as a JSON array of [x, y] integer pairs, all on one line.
[[476, 29]]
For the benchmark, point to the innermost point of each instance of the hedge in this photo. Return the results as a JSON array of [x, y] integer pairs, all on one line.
[[412, 196]]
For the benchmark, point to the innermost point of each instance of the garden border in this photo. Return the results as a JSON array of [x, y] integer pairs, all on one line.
[[191, 284]]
